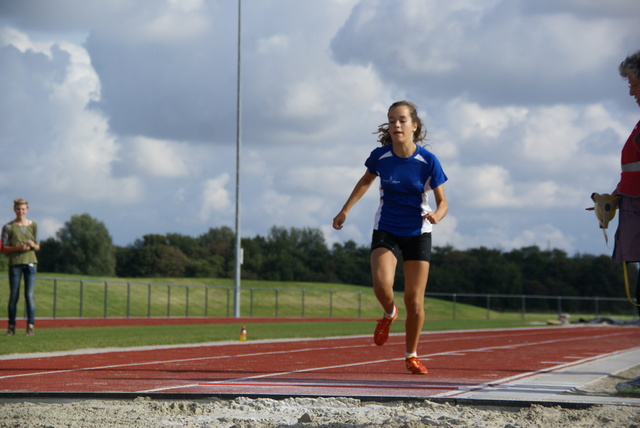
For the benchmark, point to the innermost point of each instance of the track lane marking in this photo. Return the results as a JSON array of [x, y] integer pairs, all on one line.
[[334, 385], [505, 381]]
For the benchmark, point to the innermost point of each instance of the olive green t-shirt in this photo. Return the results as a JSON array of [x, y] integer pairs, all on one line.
[[13, 235]]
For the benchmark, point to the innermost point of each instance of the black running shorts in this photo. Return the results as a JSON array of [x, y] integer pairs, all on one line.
[[411, 247]]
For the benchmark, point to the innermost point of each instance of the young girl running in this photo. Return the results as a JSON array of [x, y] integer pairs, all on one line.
[[404, 220]]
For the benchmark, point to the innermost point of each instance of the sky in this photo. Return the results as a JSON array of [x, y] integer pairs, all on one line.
[[126, 110]]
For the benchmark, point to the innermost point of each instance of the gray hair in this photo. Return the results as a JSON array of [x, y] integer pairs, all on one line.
[[631, 66]]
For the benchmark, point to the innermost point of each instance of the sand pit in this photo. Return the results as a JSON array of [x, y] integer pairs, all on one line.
[[302, 412], [320, 412], [314, 412]]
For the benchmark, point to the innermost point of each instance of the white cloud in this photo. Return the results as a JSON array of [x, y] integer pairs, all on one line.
[[489, 186], [446, 233], [160, 158], [215, 197], [21, 41], [482, 122], [181, 20], [277, 43], [325, 181], [48, 227], [544, 236], [67, 146], [498, 52]]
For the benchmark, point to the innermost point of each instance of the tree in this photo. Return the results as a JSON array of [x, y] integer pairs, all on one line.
[[50, 256], [85, 247], [350, 264], [153, 256], [218, 249], [296, 255]]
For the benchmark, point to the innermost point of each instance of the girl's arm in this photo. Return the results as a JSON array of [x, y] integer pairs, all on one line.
[[358, 192], [442, 206], [29, 245], [16, 248]]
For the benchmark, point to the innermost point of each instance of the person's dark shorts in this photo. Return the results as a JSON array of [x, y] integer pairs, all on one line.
[[410, 247]]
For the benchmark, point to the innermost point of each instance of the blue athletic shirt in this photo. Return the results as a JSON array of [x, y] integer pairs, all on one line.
[[404, 183]]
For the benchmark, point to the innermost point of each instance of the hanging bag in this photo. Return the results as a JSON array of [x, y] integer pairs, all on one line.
[[605, 207]]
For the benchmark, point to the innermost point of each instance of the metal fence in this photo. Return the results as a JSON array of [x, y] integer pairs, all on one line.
[[85, 298], [531, 304], [89, 298]]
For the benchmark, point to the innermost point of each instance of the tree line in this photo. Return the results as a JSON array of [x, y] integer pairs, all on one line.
[[83, 246]]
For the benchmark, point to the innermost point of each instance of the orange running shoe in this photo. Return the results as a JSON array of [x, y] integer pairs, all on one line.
[[415, 366], [381, 334]]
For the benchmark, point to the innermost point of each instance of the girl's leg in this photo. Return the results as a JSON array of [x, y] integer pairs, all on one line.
[[14, 292], [29, 290], [383, 270], [416, 273]]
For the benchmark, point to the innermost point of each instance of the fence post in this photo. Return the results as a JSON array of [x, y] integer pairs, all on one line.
[[454, 306], [55, 296], [277, 297], [148, 300], [187, 310], [251, 302], [359, 304], [303, 302], [81, 297], [524, 307], [559, 306], [106, 298], [128, 299], [206, 300], [331, 304], [168, 301], [488, 306]]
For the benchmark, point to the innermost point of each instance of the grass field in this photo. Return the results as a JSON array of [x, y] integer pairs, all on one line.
[[70, 296]]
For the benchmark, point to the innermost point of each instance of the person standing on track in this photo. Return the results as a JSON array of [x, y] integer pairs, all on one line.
[[19, 240], [627, 238], [404, 220]]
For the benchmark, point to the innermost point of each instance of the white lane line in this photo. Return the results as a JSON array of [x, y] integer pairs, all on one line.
[[507, 380], [241, 379], [173, 361]]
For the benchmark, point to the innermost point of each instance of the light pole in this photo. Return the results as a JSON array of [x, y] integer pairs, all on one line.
[[238, 140]]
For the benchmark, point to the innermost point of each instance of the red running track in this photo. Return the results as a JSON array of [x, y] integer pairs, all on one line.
[[350, 366]]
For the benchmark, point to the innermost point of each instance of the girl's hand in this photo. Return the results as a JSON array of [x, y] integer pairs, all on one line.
[[431, 217], [339, 220]]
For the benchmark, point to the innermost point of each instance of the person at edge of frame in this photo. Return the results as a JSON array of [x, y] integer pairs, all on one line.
[[627, 237], [19, 241]]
